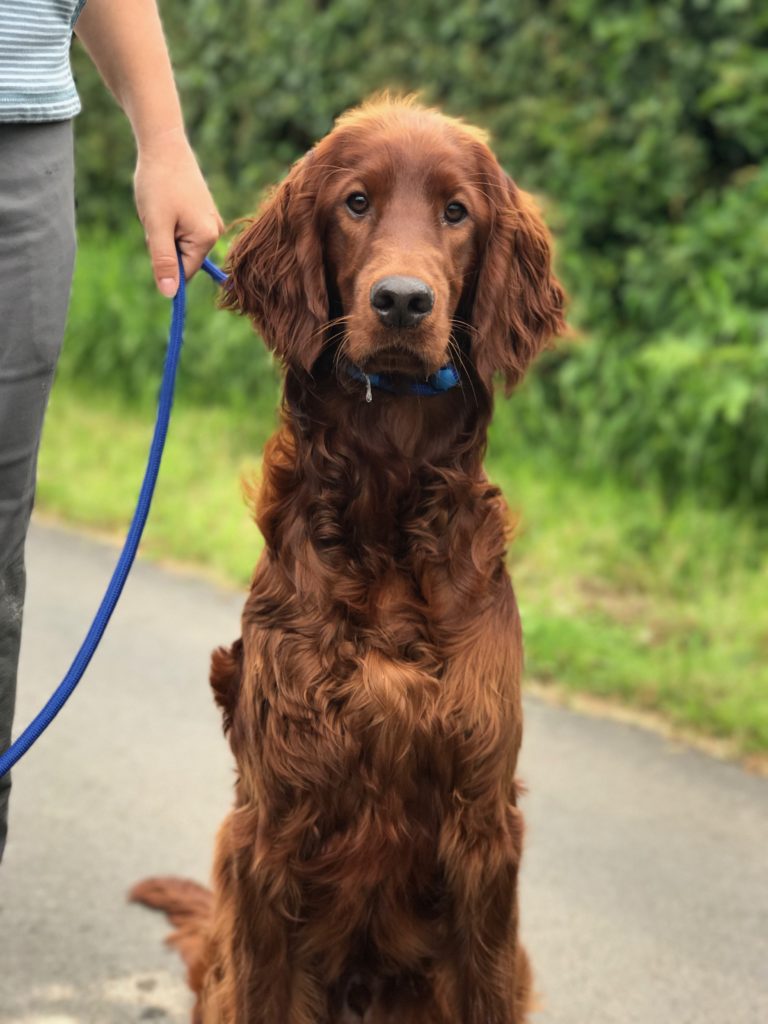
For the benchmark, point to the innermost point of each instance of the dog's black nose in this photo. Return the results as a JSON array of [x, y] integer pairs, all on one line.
[[402, 301]]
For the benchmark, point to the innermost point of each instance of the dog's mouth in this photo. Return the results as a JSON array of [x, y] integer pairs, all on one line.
[[414, 352], [398, 361]]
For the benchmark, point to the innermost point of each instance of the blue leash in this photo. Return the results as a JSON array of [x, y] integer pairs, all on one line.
[[65, 689], [443, 380]]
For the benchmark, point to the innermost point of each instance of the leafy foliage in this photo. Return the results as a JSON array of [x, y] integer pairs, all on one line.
[[644, 124]]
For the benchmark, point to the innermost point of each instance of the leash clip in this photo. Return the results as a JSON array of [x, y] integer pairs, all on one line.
[[368, 389]]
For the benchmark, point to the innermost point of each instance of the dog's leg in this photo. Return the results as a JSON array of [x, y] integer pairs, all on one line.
[[255, 974], [481, 835], [492, 973]]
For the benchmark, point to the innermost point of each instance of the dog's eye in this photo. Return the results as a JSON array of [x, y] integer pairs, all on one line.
[[454, 212], [357, 202]]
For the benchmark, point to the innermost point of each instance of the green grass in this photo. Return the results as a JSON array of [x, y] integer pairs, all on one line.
[[621, 597], [92, 461]]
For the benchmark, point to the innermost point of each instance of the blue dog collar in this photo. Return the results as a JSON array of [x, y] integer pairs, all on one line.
[[436, 383]]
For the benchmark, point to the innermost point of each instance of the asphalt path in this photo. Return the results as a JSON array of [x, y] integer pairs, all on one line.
[[645, 880]]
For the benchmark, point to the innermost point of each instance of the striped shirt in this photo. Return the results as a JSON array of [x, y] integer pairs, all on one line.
[[35, 76]]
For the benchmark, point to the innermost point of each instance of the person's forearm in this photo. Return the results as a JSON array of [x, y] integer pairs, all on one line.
[[124, 39], [126, 43]]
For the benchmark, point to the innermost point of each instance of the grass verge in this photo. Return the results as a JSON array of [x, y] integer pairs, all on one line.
[[621, 597]]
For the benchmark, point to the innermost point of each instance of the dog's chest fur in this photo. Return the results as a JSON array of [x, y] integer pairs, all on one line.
[[364, 629]]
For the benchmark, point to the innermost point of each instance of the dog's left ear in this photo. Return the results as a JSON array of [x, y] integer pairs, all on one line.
[[276, 273], [518, 302]]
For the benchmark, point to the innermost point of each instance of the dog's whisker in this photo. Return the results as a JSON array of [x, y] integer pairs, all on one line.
[[329, 325], [463, 362]]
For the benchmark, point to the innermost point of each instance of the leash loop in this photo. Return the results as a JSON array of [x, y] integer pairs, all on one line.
[[115, 587]]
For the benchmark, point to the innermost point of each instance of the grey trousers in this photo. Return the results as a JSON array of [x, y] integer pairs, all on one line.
[[37, 250]]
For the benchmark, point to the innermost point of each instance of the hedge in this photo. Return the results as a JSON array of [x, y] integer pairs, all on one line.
[[643, 125]]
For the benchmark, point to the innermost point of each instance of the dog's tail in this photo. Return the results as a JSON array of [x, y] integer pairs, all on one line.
[[189, 907]]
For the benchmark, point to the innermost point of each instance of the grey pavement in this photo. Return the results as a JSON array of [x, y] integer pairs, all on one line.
[[644, 887]]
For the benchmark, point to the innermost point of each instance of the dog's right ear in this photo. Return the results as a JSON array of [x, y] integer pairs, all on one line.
[[276, 273]]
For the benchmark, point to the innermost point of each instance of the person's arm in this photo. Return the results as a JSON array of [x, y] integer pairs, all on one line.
[[126, 43]]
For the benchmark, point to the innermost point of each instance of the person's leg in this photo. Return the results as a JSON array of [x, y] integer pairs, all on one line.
[[37, 248]]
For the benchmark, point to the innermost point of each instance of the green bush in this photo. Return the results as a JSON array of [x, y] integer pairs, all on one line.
[[644, 124]]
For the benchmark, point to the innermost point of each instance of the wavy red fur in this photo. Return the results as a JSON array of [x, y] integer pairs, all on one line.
[[368, 870]]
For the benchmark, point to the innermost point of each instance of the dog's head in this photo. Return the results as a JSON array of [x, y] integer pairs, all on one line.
[[399, 234]]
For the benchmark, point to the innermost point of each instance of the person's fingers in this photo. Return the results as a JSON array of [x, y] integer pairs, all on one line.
[[162, 252], [176, 208], [196, 246]]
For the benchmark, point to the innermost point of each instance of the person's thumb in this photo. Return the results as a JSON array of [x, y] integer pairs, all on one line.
[[165, 263]]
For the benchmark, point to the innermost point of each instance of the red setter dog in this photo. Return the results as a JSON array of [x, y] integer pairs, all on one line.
[[368, 870]]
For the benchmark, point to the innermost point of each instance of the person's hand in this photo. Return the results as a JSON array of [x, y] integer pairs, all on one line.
[[174, 205]]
